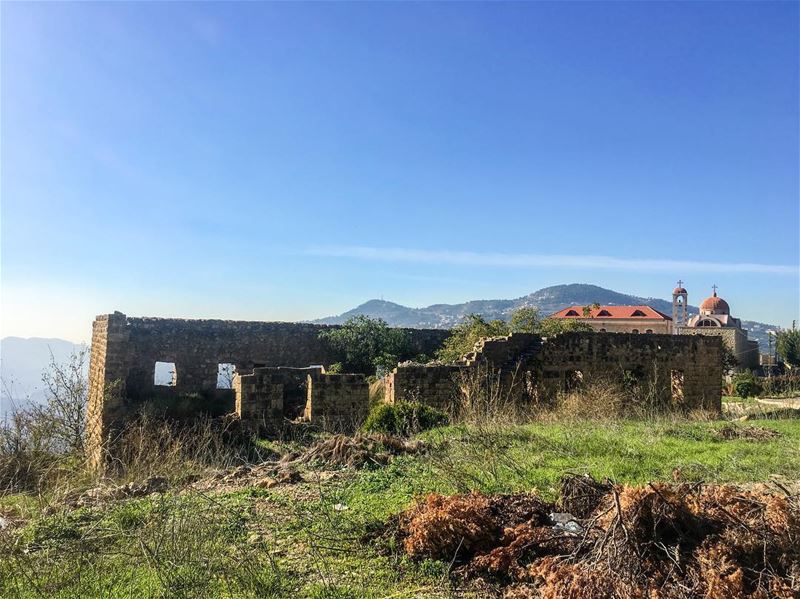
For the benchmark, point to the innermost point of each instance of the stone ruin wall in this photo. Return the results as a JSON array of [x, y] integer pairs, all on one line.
[[269, 397], [685, 369], [273, 359], [436, 386], [125, 350], [337, 403]]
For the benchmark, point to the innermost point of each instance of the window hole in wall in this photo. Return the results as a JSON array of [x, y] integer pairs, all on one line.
[[225, 374], [165, 374]]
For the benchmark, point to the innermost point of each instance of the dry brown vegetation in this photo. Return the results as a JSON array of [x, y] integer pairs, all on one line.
[[358, 451], [655, 541]]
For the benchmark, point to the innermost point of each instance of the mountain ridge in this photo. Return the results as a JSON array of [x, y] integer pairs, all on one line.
[[548, 300]]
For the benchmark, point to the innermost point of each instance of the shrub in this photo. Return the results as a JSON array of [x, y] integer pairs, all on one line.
[[788, 346], [746, 385], [403, 418], [467, 333], [780, 385], [366, 344], [335, 368]]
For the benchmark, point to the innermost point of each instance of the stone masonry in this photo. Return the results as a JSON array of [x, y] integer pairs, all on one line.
[[337, 403], [271, 395], [684, 370], [125, 350]]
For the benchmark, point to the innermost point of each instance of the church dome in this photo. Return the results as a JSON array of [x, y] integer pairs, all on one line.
[[715, 305], [678, 290]]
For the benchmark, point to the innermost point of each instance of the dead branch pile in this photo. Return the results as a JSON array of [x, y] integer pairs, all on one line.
[[358, 451], [580, 495], [753, 433], [657, 541]]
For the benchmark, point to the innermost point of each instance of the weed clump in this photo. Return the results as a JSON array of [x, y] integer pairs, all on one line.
[[404, 418], [751, 433]]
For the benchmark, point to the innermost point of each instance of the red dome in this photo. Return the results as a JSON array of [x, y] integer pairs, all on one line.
[[715, 305], [678, 290]]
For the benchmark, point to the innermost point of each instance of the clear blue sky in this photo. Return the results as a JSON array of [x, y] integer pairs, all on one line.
[[289, 161]]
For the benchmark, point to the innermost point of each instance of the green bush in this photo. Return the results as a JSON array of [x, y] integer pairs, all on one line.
[[403, 418], [785, 384], [746, 385]]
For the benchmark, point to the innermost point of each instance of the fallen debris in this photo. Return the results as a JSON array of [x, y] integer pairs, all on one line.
[[653, 541], [97, 495], [267, 475], [752, 433], [580, 495], [358, 451]]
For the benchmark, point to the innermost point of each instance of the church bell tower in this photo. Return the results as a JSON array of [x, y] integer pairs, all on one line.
[[680, 314]]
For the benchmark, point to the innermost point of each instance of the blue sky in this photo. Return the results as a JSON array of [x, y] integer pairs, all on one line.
[[289, 161]]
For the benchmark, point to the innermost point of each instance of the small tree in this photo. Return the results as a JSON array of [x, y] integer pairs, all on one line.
[[64, 410], [788, 346], [466, 333], [554, 326], [525, 320], [729, 361], [366, 344]]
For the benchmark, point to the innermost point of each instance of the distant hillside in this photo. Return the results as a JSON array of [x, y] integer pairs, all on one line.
[[548, 300]]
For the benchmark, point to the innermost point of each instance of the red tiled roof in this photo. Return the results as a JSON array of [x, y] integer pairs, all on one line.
[[643, 312], [716, 304]]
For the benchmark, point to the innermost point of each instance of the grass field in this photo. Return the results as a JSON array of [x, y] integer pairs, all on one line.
[[317, 538]]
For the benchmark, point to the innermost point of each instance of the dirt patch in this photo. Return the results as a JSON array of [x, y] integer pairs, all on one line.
[[358, 451], [655, 541], [750, 433]]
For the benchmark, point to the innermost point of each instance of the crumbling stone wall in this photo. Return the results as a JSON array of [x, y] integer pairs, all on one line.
[[686, 370], [435, 386], [125, 350], [337, 402], [107, 367], [331, 402], [269, 396]]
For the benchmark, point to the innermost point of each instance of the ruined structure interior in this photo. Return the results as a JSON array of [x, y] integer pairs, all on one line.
[[272, 372]]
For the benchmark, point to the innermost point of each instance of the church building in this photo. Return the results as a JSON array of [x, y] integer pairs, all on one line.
[[714, 319]]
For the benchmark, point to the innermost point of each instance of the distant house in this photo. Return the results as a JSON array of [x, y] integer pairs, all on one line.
[[619, 319]]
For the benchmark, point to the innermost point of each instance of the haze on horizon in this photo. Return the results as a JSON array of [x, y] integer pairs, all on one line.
[[291, 161]]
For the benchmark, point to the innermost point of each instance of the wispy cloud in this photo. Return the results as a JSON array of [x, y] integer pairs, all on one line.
[[495, 259]]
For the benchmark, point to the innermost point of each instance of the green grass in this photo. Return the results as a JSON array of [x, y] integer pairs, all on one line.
[[311, 539]]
